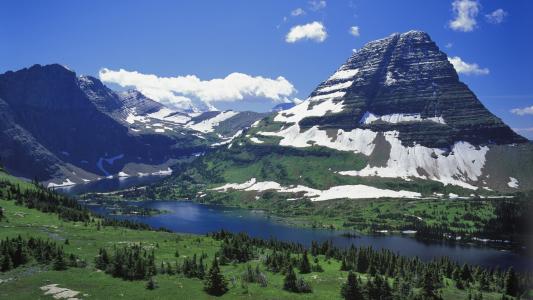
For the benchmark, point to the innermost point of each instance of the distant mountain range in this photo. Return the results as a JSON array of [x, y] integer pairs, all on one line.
[[393, 121], [61, 129]]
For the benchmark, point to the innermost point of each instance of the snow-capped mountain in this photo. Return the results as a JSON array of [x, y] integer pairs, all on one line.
[[398, 105], [62, 129]]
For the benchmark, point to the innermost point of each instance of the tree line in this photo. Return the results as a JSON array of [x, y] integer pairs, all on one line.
[[16, 252], [407, 274], [45, 200]]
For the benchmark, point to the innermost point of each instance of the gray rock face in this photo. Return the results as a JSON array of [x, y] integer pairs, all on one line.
[[406, 76], [55, 125], [52, 119], [133, 99]]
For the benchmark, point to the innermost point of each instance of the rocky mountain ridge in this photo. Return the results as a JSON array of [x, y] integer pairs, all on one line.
[[61, 129]]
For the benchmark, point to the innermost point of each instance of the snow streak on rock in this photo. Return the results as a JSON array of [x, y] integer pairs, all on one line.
[[358, 191]]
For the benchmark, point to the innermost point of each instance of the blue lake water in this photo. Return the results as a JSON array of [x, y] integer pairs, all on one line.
[[189, 217]]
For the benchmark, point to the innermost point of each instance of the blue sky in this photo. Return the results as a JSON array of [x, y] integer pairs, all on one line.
[[212, 39]]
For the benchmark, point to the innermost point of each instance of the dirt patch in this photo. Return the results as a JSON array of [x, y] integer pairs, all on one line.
[[381, 154], [332, 134]]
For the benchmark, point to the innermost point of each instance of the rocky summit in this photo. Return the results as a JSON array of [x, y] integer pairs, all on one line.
[[405, 83], [399, 102]]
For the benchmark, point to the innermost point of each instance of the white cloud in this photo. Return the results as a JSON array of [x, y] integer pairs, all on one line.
[[463, 67], [313, 31], [449, 45], [296, 100], [179, 91], [297, 12], [523, 111], [317, 4], [354, 30], [465, 12], [497, 16]]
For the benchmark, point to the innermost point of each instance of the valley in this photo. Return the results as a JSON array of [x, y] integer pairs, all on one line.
[[83, 235]]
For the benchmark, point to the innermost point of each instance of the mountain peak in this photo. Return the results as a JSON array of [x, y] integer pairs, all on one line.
[[399, 102], [407, 75]]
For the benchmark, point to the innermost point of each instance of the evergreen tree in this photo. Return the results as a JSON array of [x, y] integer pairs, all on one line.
[[151, 284], [305, 266], [215, 283], [59, 262], [428, 287], [6, 263], [350, 290], [511, 282], [383, 288], [289, 282], [344, 265]]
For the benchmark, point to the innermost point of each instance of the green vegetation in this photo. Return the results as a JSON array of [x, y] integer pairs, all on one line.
[[131, 261]]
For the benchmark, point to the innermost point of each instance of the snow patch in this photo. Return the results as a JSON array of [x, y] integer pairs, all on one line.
[[166, 172], [227, 141], [389, 80], [208, 125], [302, 110], [513, 183], [357, 140], [343, 74], [256, 140], [462, 165], [165, 114], [369, 118], [329, 96], [123, 174], [336, 87], [358, 191], [67, 182]]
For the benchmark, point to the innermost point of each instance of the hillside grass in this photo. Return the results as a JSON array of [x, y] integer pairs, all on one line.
[[86, 239]]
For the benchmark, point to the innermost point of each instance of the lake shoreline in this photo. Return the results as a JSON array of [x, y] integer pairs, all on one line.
[[196, 218]]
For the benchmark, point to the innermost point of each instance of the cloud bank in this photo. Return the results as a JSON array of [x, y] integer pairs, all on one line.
[[179, 92], [463, 67], [523, 111], [465, 12], [314, 31]]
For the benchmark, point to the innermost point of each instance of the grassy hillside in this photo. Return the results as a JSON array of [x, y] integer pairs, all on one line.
[[84, 239], [318, 167]]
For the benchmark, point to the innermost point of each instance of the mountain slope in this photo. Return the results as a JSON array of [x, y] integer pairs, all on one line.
[[57, 127], [395, 116]]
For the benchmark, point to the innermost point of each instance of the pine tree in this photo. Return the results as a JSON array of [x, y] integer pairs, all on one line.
[[305, 266], [200, 273], [511, 282], [344, 266], [215, 283], [289, 282], [350, 290], [151, 284], [59, 262], [6, 263], [427, 285], [383, 288]]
